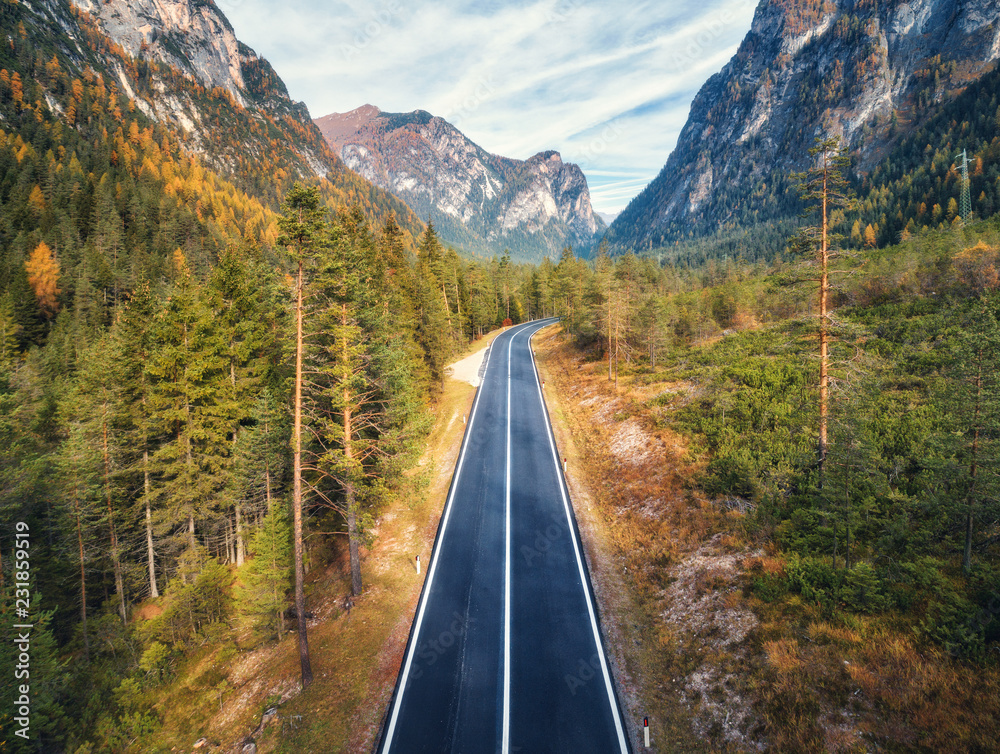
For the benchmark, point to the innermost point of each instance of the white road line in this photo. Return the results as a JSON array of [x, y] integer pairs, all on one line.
[[432, 571], [579, 560], [505, 746]]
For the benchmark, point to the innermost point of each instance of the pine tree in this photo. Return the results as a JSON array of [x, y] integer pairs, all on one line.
[[9, 330], [95, 405], [191, 405], [132, 346], [825, 187], [247, 319], [974, 399], [266, 577], [77, 464], [43, 276], [362, 397], [434, 329], [303, 232]]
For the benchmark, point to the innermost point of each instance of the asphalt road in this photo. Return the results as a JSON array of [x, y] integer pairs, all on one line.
[[504, 652]]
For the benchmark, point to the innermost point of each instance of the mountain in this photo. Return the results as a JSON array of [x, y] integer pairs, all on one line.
[[479, 201], [871, 72], [181, 65]]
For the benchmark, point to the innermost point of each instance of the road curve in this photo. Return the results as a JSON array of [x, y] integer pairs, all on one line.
[[505, 653]]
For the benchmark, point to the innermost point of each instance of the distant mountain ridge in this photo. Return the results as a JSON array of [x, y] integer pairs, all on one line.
[[870, 72], [479, 201]]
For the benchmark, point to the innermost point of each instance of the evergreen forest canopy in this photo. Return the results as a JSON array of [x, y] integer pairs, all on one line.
[[146, 342]]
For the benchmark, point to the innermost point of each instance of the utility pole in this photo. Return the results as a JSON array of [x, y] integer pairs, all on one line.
[[965, 203]]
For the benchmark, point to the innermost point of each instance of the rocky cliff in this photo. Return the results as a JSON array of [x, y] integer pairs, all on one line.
[[180, 63], [865, 70], [478, 201]]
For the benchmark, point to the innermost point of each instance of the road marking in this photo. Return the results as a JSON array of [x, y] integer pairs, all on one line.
[[505, 746], [579, 562], [432, 570]]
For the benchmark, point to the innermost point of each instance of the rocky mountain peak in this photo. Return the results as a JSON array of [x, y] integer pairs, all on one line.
[[191, 35], [855, 68], [479, 201]]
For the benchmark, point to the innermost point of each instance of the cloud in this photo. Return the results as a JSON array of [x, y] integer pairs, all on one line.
[[608, 86]]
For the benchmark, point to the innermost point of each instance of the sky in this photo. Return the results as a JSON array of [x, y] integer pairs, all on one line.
[[607, 84]]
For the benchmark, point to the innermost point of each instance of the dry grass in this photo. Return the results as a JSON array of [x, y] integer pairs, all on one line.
[[714, 668]]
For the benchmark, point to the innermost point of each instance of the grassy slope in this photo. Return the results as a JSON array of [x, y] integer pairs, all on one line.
[[355, 655], [717, 667]]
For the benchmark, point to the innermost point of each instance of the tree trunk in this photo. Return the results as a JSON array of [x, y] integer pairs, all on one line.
[[150, 553], [824, 380], [115, 556], [300, 597], [353, 537], [447, 309]]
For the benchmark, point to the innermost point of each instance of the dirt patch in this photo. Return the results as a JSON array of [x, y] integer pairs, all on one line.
[[702, 605], [630, 443], [147, 611], [467, 370]]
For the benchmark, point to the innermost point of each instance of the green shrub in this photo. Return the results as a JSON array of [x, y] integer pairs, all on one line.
[[815, 580], [952, 623], [769, 588], [862, 590]]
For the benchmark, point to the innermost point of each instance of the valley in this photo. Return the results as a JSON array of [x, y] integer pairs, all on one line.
[[240, 347]]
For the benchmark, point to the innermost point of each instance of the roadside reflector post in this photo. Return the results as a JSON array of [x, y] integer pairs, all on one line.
[[645, 731], [564, 465], [418, 565], [463, 418]]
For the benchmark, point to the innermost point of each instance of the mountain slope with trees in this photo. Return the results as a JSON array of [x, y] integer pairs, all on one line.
[[145, 334], [872, 73]]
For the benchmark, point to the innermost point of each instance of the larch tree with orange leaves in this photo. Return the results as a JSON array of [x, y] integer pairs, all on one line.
[[43, 276]]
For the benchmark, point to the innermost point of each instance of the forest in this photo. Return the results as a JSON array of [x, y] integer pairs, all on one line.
[[147, 354]]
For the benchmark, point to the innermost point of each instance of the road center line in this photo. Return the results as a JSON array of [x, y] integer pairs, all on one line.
[[505, 747], [579, 560]]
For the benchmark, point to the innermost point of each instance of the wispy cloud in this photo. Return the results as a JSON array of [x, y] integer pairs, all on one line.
[[608, 86]]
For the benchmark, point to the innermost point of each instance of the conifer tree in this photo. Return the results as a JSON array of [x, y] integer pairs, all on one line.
[[974, 401], [132, 346], [247, 318], [303, 232], [77, 466], [266, 577], [824, 187], [434, 330], [190, 404], [43, 276], [95, 404]]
